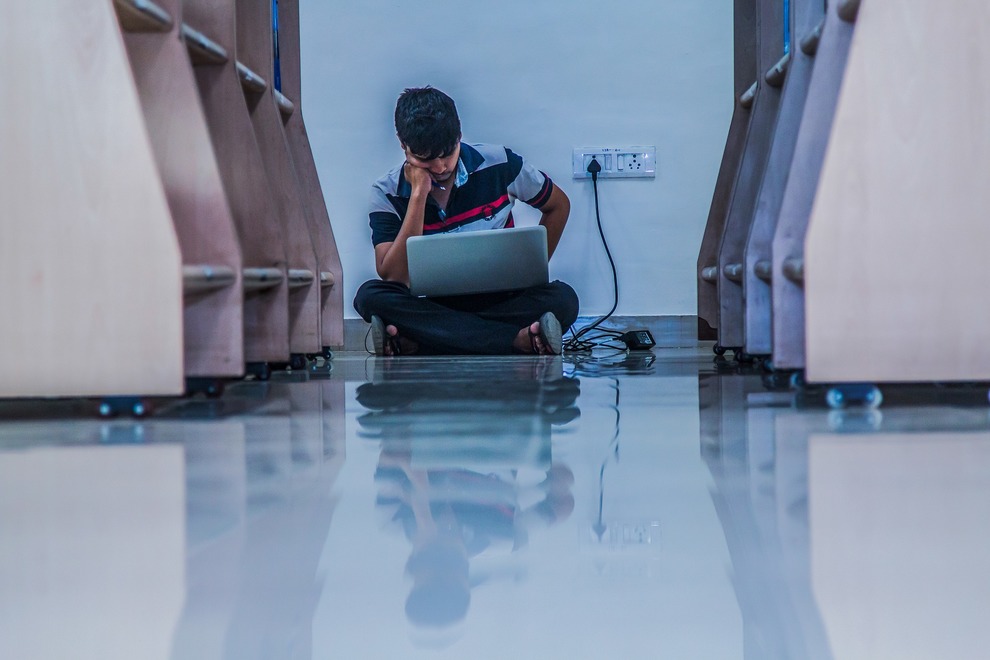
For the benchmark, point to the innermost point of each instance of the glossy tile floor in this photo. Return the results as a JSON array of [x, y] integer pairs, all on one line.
[[642, 506]]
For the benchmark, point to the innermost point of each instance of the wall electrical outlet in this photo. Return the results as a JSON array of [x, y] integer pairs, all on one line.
[[616, 162]]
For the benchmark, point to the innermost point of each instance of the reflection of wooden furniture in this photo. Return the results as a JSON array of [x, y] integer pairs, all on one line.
[[93, 552], [898, 540], [788, 244], [808, 16], [180, 138], [91, 301], [745, 74], [895, 252]]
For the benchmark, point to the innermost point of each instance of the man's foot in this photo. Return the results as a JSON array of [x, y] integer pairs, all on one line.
[[541, 337], [387, 340]]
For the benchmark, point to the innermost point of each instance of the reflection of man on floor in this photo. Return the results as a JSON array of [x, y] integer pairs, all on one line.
[[452, 515]]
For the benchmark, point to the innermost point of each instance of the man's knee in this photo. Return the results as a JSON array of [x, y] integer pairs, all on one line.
[[370, 295], [566, 303]]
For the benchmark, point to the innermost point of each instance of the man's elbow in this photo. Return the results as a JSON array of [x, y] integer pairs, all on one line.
[[559, 206], [392, 275]]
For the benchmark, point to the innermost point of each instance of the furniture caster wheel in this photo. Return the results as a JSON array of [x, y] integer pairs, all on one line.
[[317, 368], [325, 354], [768, 365], [742, 357], [114, 406], [297, 362], [260, 370], [797, 380], [213, 388], [718, 349], [775, 381], [841, 396]]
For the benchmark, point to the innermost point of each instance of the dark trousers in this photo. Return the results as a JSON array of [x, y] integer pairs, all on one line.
[[482, 324]]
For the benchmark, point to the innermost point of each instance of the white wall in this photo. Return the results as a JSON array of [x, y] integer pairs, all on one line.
[[540, 77]]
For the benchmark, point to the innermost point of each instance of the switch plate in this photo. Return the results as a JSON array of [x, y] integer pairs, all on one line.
[[617, 162]]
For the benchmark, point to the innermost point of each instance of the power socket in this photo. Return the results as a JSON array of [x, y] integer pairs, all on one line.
[[616, 162], [638, 340]]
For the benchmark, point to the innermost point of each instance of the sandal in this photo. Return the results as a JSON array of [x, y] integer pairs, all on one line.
[[385, 344], [549, 335]]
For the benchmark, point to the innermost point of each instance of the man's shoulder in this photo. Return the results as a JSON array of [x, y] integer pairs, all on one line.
[[479, 155], [388, 183]]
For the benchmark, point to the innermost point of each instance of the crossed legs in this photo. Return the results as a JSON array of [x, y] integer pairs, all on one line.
[[484, 324]]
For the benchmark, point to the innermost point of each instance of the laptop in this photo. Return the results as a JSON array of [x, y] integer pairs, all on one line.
[[483, 261]]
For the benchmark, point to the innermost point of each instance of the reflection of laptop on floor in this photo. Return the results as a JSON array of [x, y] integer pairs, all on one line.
[[482, 261]]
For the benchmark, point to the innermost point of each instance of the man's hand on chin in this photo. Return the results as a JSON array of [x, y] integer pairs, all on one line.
[[419, 178]]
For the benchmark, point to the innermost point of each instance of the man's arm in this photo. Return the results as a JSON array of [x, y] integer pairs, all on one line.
[[555, 213], [390, 258]]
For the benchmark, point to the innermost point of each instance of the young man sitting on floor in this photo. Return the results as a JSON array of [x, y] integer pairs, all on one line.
[[447, 185]]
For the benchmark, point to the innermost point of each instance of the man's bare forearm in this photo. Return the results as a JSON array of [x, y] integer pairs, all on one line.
[[555, 214], [393, 264]]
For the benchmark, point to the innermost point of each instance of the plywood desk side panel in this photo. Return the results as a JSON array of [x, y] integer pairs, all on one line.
[[92, 295], [896, 248]]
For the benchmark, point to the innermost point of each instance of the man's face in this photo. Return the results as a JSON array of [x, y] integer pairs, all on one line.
[[442, 169]]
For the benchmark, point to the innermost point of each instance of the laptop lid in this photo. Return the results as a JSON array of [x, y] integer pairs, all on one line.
[[483, 261]]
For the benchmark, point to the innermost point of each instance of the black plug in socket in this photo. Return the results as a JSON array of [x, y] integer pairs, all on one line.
[[638, 340]]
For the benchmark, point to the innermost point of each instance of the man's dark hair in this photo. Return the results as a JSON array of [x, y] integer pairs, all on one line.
[[426, 122]]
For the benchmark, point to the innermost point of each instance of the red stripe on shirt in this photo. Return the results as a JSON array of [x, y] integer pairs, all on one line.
[[479, 212]]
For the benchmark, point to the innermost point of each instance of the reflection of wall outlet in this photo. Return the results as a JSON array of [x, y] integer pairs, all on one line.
[[619, 535], [616, 162]]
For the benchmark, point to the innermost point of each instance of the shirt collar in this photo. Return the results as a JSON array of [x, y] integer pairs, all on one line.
[[462, 173]]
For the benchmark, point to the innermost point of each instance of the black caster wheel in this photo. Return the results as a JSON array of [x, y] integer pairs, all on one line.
[[797, 380], [124, 405], [297, 362], [260, 370], [321, 368], [325, 354], [859, 394], [776, 382], [742, 357], [767, 365], [719, 350], [213, 388]]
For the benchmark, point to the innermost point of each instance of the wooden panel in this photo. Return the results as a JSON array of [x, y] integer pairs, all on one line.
[[745, 73], [896, 248], [806, 15], [254, 49], [266, 311], [89, 260], [213, 319], [770, 22], [332, 297], [809, 151]]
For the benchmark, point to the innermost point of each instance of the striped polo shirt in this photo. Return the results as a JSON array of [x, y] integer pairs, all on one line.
[[490, 179]]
